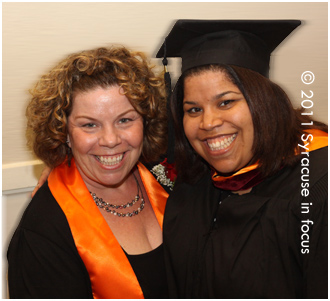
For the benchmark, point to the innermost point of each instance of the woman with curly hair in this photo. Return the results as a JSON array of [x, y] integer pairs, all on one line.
[[94, 229]]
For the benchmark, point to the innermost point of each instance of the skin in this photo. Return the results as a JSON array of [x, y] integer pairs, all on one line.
[[215, 112], [215, 109], [43, 178], [103, 125]]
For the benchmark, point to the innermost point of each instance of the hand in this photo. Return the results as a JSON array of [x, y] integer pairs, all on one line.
[[44, 175]]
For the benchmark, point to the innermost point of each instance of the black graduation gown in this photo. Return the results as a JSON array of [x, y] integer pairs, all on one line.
[[253, 245]]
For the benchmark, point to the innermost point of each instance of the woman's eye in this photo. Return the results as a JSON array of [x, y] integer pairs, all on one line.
[[89, 125], [226, 103], [193, 110], [124, 120]]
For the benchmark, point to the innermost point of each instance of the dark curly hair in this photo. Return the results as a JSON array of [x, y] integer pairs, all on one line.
[[277, 125], [52, 96]]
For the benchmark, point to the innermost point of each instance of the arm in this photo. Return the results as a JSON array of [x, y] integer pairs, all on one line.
[[43, 178], [38, 268], [42, 256]]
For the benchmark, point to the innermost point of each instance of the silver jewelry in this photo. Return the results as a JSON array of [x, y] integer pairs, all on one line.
[[109, 207]]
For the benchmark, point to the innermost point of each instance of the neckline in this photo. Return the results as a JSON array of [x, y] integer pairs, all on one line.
[[156, 250]]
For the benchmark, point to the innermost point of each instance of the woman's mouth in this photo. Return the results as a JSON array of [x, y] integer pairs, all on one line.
[[110, 160], [220, 142]]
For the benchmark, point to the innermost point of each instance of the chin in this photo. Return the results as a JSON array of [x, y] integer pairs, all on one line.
[[225, 169]]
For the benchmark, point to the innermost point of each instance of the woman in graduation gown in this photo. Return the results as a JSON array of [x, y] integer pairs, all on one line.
[[94, 229], [248, 214]]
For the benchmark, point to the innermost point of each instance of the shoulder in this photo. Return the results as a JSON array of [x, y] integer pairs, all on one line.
[[316, 163], [314, 182], [314, 169], [43, 261], [203, 183], [302, 188], [310, 169], [189, 196], [163, 172], [190, 208], [45, 218]]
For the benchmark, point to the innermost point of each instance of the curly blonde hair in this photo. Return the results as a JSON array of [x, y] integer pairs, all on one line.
[[52, 96]]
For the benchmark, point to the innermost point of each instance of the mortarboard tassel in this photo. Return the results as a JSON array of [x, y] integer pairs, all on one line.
[[168, 89]]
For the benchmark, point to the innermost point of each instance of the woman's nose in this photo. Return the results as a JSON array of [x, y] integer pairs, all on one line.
[[109, 137], [210, 120]]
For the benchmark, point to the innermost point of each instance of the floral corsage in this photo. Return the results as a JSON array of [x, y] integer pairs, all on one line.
[[165, 173]]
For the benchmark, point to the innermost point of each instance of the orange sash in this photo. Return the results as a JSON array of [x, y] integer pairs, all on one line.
[[109, 270], [320, 139]]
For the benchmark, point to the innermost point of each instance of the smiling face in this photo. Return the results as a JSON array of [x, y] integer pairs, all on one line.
[[106, 136], [217, 121]]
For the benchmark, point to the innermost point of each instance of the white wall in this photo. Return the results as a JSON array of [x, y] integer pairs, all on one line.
[[36, 35]]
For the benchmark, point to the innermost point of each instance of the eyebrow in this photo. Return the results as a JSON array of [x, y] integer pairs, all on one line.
[[215, 97], [224, 93], [85, 117], [95, 119]]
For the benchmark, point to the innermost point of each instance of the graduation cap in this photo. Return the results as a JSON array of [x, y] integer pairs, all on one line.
[[244, 43]]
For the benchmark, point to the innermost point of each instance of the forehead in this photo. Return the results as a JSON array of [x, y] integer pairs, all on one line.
[[208, 82], [101, 94], [101, 99]]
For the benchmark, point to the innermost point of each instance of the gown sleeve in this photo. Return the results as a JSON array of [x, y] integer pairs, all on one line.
[[43, 261], [315, 252]]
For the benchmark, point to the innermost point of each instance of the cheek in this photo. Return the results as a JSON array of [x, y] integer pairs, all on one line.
[[249, 129], [138, 141], [188, 127], [244, 123], [82, 141], [135, 137], [243, 119]]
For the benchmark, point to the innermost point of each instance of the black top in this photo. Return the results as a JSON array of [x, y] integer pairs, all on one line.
[[258, 245], [44, 261], [149, 269]]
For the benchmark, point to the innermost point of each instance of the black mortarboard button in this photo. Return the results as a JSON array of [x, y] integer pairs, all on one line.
[[244, 43]]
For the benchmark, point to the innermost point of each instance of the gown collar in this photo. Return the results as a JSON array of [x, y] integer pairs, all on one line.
[[250, 176]]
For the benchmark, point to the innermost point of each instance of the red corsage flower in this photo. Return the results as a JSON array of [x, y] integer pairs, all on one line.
[[165, 173], [169, 170]]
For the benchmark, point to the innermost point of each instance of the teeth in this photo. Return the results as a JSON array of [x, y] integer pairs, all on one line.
[[110, 160], [217, 145]]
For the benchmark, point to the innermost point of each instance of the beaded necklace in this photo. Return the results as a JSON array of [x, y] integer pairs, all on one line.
[[109, 207]]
